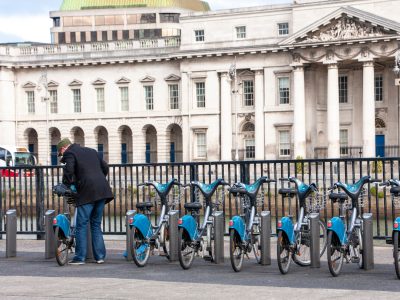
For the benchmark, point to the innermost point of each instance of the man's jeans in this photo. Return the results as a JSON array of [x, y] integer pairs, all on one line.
[[92, 212]]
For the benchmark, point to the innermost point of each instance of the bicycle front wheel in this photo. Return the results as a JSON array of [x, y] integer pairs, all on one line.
[[283, 253], [302, 255], [335, 254], [236, 251], [140, 248], [396, 253], [61, 247], [165, 240], [186, 249], [323, 239]]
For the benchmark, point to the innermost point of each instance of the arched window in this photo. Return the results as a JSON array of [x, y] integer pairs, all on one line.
[[248, 127]]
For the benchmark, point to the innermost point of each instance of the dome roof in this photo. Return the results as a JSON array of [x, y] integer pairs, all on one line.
[[195, 5]]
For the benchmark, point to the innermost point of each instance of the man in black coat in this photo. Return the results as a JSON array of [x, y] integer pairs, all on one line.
[[87, 171]]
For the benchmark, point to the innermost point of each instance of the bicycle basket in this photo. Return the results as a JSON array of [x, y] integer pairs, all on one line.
[[316, 202]]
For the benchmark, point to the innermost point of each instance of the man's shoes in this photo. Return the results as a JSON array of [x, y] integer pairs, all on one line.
[[100, 261], [76, 262]]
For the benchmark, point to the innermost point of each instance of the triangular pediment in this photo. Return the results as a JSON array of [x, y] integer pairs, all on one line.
[[246, 73], [123, 80], [172, 77], [344, 24], [75, 82], [99, 81], [147, 79], [52, 84], [29, 85]]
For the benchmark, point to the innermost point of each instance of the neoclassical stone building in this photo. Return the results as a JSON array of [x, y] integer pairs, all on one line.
[[175, 81]]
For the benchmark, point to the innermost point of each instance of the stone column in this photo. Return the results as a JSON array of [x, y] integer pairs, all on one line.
[[299, 108], [8, 104], [368, 109], [226, 117], [333, 122], [185, 100], [259, 114]]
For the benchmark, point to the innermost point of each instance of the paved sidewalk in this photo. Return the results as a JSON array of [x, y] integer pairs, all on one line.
[[29, 275]]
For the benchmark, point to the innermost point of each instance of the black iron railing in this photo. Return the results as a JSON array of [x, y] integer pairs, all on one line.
[[29, 190]]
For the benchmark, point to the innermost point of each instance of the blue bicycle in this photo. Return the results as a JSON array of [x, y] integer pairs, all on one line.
[[64, 228], [144, 236], [245, 230], [294, 239], [395, 194], [194, 237], [345, 242]]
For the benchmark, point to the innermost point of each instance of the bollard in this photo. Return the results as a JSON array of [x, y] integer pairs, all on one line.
[[173, 235], [50, 239], [129, 214], [265, 239], [315, 241], [367, 241], [218, 237], [11, 233]]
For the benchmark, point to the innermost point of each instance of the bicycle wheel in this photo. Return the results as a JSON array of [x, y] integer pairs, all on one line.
[[302, 255], [256, 242], [335, 254], [283, 253], [186, 249], [360, 249], [140, 248], [235, 251], [396, 253], [61, 247], [322, 238], [165, 239]]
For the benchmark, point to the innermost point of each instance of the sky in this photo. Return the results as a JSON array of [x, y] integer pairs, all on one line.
[[28, 20]]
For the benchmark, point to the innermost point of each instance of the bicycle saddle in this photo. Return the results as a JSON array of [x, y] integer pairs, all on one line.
[[208, 189], [287, 192], [338, 197], [303, 190], [193, 206], [250, 189], [353, 190], [143, 205], [162, 189]]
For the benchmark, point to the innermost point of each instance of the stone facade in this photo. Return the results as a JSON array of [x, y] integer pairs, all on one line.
[[309, 79]]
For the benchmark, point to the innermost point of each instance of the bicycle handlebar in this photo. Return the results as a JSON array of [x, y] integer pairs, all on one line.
[[375, 180]]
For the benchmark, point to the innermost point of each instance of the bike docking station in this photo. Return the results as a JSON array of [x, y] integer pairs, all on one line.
[[218, 237], [315, 241], [368, 243], [11, 233], [265, 238], [50, 239]]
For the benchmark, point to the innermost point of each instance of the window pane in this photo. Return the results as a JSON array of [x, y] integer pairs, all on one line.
[[100, 99], [149, 97], [201, 94], [344, 140], [379, 87], [199, 35], [124, 98], [241, 32], [283, 28], [77, 100], [30, 96], [201, 145], [284, 90], [53, 101], [248, 92], [173, 96], [343, 89], [284, 143], [250, 149]]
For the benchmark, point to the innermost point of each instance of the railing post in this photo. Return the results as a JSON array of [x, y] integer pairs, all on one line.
[[244, 173], [129, 215], [368, 243], [218, 237], [39, 203], [50, 239], [11, 233], [315, 241], [173, 235], [265, 239], [193, 177]]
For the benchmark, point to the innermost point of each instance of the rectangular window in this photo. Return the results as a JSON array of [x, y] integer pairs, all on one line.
[[148, 91], [379, 87], [147, 18], [344, 140], [248, 92], [100, 99], [173, 96], [241, 32], [250, 149], [201, 94], [199, 35], [77, 100], [53, 101], [201, 146], [343, 88], [169, 18], [124, 98], [284, 143], [30, 96], [284, 90], [283, 28]]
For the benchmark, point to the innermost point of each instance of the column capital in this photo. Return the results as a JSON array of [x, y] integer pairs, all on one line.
[[332, 65], [368, 63], [259, 71], [298, 67]]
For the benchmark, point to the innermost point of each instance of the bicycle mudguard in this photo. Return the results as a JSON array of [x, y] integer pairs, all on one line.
[[337, 225], [286, 225], [142, 223], [63, 223], [239, 226], [188, 223], [396, 224]]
